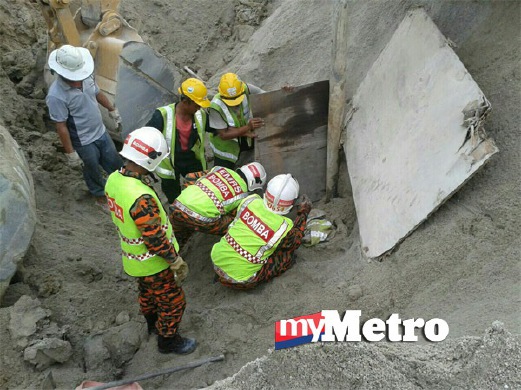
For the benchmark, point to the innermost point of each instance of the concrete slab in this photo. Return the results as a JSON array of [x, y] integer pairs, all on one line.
[[414, 135]]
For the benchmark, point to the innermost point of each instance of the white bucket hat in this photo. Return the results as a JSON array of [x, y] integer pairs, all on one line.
[[72, 63]]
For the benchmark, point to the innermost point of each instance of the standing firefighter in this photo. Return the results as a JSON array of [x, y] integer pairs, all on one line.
[[184, 126], [209, 205], [149, 247], [232, 119], [261, 242]]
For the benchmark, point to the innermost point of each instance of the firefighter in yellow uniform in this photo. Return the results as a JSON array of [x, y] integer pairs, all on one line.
[[233, 122], [261, 241], [209, 205], [184, 126], [148, 245]]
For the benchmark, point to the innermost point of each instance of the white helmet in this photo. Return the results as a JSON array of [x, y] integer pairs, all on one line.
[[72, 63], [281, 193], [146, 147], [255, 175]]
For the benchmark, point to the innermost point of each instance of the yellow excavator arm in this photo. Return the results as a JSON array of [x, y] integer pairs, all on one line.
[[124, 64]]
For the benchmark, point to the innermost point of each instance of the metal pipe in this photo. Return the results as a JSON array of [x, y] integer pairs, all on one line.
[[167, 371]]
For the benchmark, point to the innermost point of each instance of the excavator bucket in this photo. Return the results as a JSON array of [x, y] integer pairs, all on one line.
[[144, 81], [134, 77]]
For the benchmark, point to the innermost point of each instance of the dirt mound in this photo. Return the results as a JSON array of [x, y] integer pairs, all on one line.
[[488, 362]]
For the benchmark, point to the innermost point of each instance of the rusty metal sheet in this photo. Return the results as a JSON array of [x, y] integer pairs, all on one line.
[[294, 137], [415, 134]]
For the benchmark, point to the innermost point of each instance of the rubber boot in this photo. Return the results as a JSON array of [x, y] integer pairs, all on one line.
[[176, 344], [151, 323]]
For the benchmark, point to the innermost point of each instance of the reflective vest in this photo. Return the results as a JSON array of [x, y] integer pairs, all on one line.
[[252, 237], [122, 191], [215, 194], [165, 169], [229, 149]]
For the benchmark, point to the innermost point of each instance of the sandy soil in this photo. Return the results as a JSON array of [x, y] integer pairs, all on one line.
[[461, 265]]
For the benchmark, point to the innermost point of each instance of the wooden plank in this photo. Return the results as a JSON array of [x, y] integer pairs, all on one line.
[[294, 137], [338, 95]]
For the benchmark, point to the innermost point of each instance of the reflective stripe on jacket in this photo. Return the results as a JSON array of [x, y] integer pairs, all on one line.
[[252, 237], [229, 149], [215, 194], [165, 169], [122, 191]]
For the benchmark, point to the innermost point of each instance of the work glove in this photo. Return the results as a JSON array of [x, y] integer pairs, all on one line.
[[115, 116], [74, 160], [305, 205], [180, 270]]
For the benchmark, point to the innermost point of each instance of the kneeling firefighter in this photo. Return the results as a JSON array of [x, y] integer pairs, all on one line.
[[261, 241], [209, 205]]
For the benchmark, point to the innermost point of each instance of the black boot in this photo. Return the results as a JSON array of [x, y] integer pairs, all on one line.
[[151, 323], [176, 344]]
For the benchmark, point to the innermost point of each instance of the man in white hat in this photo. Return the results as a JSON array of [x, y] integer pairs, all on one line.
[[73, 105]]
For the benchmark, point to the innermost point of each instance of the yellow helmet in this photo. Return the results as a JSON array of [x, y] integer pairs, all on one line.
[[196, 91], [231, 89]]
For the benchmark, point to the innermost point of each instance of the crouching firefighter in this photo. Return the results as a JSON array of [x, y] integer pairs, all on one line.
[[261, 241], [209, 205], [149, 248]]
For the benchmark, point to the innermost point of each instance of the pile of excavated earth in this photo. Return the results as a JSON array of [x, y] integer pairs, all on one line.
[[70, 313]]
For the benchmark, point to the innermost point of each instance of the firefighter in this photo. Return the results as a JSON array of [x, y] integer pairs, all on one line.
[[261, 242], [148, 244], [209, 205]]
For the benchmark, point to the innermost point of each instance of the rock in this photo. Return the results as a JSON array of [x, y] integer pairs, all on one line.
[[18, 64], [123, 341], [49, 285], [27, 316], [354, 292], [43, 353], [244, 32], [250, 13], [17, 207], [88, 272], [95, 353], [122, 318]]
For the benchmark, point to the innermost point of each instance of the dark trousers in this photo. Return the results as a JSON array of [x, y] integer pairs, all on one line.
[[172, 187], [161, 295], [219, 162]]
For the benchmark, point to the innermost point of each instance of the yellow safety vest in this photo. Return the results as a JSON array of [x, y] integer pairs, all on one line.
[[165, 169], [215, 194], [229, 149], [122, 192], [252, 237]]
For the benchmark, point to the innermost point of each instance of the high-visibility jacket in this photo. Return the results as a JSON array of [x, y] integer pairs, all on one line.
[[122, 191], [229, 149], [252, 237], [165, 169], [215, 194]]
